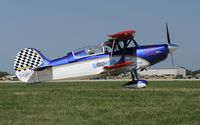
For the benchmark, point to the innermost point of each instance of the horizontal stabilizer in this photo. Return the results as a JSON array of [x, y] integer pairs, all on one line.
[[42, 68]]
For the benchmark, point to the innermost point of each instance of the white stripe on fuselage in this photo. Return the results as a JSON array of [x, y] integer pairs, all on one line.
[[86, 69], [79, 69], [142, 63]]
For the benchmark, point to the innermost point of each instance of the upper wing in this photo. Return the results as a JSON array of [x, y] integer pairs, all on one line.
[[123, 35]]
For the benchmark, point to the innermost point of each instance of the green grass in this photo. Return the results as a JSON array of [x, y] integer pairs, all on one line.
[[97, 103]]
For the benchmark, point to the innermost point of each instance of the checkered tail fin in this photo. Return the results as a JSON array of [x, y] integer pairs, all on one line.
[[26, 61]]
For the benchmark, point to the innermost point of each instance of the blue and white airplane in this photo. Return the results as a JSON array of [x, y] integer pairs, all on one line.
[[120, 54]]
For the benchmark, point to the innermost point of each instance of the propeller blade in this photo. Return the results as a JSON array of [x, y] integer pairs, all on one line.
[[171, 47], [172, 58], [168, 37]]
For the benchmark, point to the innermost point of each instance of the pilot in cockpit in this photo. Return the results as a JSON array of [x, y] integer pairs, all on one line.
[[90, 51], [106, 50]]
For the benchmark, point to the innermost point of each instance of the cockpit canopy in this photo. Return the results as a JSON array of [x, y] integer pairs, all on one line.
[[91, 50]]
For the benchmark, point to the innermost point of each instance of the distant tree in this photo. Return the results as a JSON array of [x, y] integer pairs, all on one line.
[[2, 74], [196, 72], [189, 72]]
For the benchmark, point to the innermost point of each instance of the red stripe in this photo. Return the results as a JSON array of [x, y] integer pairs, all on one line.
[[119, 65]]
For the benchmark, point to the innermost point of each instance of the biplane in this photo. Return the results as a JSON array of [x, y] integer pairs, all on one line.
[[119, 54]]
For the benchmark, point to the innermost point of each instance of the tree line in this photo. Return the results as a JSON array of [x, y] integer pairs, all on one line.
[[190, 72], [2, 74]]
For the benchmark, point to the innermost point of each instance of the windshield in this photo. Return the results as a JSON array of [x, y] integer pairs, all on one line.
[[88, 50]]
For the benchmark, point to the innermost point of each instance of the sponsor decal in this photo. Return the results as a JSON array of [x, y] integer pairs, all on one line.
[[130, 59], [99, 64]]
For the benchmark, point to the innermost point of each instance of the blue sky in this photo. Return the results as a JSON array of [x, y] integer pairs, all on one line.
[[56, 27]]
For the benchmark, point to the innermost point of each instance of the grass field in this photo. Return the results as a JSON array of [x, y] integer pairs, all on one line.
[[100, 103]]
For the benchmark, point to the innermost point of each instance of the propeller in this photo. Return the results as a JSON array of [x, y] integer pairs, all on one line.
[[168, 37], [171, 47], [172, 58]]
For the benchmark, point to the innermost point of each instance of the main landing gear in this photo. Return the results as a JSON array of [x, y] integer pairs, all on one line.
[[135, 83]]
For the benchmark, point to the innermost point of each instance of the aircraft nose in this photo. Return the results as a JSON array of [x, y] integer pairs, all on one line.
[[172, 47]]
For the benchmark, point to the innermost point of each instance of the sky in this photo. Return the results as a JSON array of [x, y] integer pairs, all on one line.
[[56, 27]]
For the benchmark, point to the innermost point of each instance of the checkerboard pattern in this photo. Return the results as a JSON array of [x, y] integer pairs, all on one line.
[[27, 59]]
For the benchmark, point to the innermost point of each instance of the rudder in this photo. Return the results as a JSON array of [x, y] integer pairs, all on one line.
[[26, 61]]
